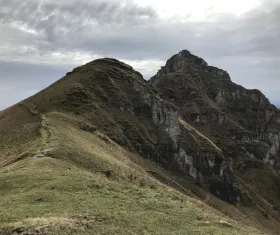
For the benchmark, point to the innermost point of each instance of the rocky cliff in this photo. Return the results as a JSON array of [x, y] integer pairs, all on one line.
[[241, 122]]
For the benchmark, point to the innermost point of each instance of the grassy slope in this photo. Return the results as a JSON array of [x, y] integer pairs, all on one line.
[[56, 197], [86, 184], [19, 130]]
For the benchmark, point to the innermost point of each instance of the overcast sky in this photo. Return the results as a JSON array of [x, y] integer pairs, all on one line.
[[40, 40]]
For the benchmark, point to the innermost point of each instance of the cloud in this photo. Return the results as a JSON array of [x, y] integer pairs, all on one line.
[[62, 34], [127, 30]]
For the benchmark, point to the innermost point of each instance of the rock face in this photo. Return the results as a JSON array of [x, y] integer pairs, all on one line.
[[241, 122]]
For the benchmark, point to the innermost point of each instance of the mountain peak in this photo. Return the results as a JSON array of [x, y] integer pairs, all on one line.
[[190, 63], [101, 62], [187, 56]]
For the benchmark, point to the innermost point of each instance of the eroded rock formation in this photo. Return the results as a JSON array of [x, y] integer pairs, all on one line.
[[241, 122]]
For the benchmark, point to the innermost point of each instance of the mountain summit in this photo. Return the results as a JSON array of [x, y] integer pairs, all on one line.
[[186, 60], [108, 152]]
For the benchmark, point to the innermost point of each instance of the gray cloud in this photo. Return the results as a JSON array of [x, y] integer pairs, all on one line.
[[246, 46]]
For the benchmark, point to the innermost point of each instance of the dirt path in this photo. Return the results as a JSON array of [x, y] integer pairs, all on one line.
[[47, 138], [47, 142]]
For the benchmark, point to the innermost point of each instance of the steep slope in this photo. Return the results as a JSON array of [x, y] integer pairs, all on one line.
[[100, 151], [241, 122]]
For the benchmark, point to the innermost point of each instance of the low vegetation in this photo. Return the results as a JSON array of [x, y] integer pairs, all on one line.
[[50, 196]]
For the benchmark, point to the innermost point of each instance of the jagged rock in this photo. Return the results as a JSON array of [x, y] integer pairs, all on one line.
[[241, 122], [187, 60]]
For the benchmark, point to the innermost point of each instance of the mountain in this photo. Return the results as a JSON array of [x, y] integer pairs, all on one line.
[[102, 151], [241, 122]]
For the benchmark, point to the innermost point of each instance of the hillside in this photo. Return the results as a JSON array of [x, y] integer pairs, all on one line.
[[101, 151]]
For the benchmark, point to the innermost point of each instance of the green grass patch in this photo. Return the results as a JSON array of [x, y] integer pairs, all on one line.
[[54, 197]]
